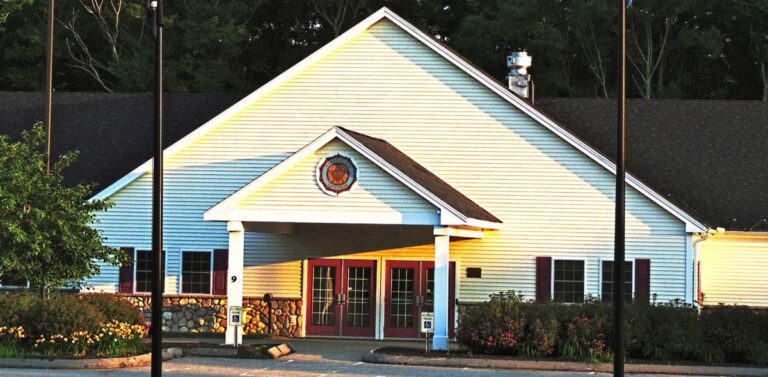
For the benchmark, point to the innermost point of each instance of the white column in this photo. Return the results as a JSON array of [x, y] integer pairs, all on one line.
[[442, 281], [235, 275]]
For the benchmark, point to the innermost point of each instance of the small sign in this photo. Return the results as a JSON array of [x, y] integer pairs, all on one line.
[[235, 316], [427, 322]]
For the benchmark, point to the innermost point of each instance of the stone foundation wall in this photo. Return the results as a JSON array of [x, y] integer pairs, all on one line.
[[206, 314]]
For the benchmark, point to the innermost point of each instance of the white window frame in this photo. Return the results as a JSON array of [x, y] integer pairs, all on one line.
[[181, 273], [552, 277], [136, 259], [26, 286], [600, 275]]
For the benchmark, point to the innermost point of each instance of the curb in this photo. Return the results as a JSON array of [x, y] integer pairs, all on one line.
[[562, 366], [105, 363]]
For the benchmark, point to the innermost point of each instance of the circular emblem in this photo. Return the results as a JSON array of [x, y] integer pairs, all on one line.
[[337, 174]]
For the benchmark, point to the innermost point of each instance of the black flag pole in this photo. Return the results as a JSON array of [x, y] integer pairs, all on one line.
[[49, 85], [618, 252], [155, 22]]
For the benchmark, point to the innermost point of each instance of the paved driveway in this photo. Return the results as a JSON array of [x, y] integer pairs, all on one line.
[[314, 357], [286, 367]]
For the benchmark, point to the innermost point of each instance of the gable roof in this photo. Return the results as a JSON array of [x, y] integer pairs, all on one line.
[[692, 224], [707, 156], [455, 207]]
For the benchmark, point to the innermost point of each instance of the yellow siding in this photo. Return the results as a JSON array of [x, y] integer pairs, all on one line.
[[734, 270], [553, 199]]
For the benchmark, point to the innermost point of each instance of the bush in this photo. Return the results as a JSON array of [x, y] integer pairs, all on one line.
[[69, 325], [740, 332], [667, 332], [494, 327], [63, 314], [13, 306], [673, 331], [115, 309], [584, 332]]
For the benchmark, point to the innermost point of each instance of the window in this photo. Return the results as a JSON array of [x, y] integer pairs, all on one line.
[[607, 281], [143, 270], [11, 279], [568, 284], [144, 266], [196, 272]]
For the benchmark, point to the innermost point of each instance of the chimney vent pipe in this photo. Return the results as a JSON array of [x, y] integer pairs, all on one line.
[[519, 79]]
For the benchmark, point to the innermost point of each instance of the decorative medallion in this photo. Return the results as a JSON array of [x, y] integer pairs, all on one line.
[[337, 174]]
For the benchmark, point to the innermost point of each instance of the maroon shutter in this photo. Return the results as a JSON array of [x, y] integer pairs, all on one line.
[[126, 273], [220, 264], [543, 278], [642, 280]]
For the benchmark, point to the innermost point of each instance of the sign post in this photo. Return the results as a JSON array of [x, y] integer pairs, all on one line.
[[427, 327], [235, 318]]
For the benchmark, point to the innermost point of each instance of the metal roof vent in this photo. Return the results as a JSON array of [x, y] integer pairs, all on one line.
[[519, 79]]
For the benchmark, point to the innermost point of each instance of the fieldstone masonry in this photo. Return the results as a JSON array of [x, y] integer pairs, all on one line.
[[206, 314]]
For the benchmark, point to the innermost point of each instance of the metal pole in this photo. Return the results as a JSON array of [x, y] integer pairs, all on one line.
[[49, 84], [157, 202], [618, 253]]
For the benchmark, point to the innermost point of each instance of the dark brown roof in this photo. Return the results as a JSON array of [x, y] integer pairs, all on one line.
[[708, 156], [112, 132], [423, 177]]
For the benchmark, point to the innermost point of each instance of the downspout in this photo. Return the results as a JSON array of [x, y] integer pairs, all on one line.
[[696, 252]]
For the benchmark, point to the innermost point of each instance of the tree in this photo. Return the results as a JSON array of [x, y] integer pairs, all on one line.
[[46, 236]]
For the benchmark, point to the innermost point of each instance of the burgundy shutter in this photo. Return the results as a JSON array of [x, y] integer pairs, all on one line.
[[220, 264], [642, 280], [543, 278], [126, 273]]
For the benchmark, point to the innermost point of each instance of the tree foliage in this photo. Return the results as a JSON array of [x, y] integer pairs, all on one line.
[[45, 232], [677, 48]]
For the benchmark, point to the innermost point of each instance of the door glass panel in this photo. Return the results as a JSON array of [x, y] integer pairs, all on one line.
[[402, 297], [358, 296], [430, 293], [323, 283]]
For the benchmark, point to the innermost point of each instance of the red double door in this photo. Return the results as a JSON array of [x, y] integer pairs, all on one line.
[[342, 297], [410, 291]]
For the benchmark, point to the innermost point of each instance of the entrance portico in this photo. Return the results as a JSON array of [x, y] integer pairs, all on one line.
[[347, 179]]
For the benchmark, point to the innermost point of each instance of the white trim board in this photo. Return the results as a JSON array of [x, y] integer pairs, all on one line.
[[692, 224]]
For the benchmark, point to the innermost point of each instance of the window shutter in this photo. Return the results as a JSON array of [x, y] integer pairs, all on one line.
[[126, 273], [642, 280], [220, 265], [543, 278]]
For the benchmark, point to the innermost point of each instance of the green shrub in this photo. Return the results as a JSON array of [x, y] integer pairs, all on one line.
[[584, 332], [493, 327], [667, 332], [62, 314], [115, 309], [13, 305], [540, 330], [740, 332]]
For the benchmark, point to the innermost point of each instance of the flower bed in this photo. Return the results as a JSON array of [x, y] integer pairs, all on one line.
[[68, 327], [507, 325]]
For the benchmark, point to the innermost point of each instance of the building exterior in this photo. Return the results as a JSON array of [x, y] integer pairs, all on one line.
[[384, 176]]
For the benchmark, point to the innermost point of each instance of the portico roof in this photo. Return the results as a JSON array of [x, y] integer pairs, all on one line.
[[455, 208]]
